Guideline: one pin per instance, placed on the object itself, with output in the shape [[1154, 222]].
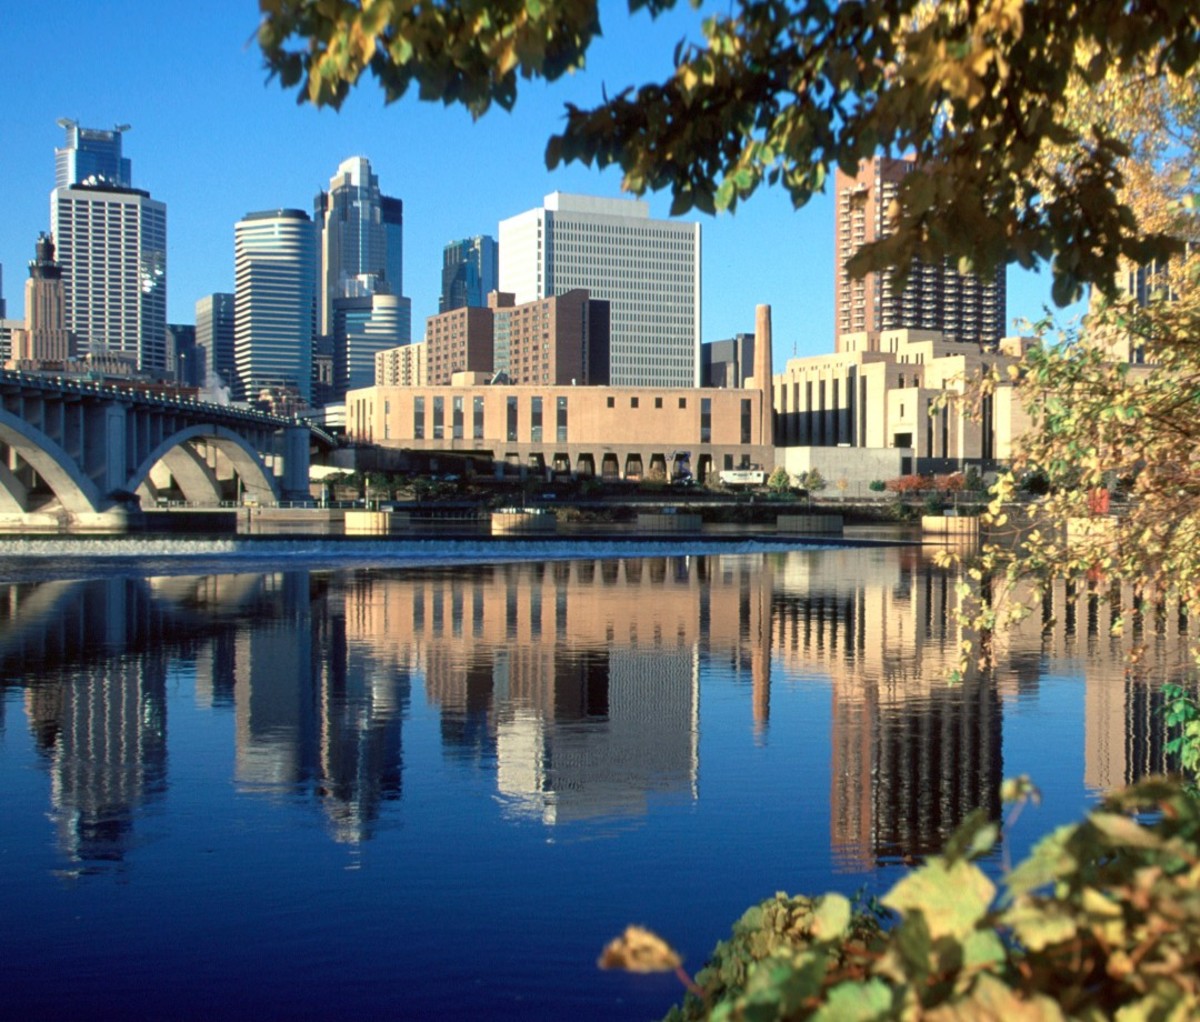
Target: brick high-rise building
[[561, 340], [937, 297], [459, 341]]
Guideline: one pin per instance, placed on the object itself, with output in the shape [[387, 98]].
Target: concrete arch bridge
[[76, 455]]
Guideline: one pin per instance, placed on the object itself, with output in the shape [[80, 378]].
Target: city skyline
[[213, 140]]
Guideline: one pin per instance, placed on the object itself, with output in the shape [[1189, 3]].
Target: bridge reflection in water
[[576, 685]]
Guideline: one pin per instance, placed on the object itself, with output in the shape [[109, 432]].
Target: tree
[[783, 93], [780, 481], [1105, 427], [812, 480]]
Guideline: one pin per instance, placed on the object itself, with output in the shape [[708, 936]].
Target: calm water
[[247, 788]]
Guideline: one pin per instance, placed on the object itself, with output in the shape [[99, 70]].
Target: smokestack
[[763, 372]]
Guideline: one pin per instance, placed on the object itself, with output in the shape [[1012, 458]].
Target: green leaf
[[975, 836], [991, 1000], [1038, 926], [856, 1002], [953, 896], [1122, 830], [832, 917]]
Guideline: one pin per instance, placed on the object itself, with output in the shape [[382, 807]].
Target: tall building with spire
[[45, 337], [963, 306], [470, 272], [111, 240], [361, 305], [361, 238], [275, 274]]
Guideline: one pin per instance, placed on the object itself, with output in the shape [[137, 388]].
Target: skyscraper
[[215, 338], [91, 155], [648, 271], [112, 245], [275, 270], [361, 238], [44, 337], [364, 327], [964, 306], [184, 359], [470, 272]]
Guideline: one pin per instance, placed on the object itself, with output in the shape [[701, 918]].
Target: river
[[312, 780]]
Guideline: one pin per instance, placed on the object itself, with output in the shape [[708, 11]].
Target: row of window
[[457, 423]]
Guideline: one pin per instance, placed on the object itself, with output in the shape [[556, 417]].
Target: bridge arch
[[74, 491], [194, 476]]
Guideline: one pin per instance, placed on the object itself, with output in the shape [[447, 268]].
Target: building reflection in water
[[911, 754], [100, 722], [575, 683]]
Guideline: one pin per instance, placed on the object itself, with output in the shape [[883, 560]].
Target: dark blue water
[[403, 790]]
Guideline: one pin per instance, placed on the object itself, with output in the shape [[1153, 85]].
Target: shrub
[[909, 484], [1102, 920], [877, 486], [953, 482]]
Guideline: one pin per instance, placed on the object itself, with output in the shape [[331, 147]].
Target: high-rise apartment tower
[[963, 306], [647, 270]]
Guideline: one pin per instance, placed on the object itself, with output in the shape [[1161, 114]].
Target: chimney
[[763, 372]]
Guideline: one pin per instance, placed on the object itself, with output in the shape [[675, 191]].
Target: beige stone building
[[885, 396], [860, 414], [614, 432]]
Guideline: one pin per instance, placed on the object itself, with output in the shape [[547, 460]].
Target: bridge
[[77, 455]]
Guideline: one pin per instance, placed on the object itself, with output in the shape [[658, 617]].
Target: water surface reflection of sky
[[559, 747]]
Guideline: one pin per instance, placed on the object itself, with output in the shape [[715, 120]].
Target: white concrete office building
[[648, 270], [112, 245], [275, 302], [111, 242]]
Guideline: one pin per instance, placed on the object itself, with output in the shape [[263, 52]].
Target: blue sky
[[213, 139]]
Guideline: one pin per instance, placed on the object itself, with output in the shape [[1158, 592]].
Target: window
[[458, 418], [706, 420], [658, 402], [746, 423], [512, 418], [561, 420], [612, 402], [419, 418], [439, 415], [535, 419], [683, 402], [478, 409], [633, 402]]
